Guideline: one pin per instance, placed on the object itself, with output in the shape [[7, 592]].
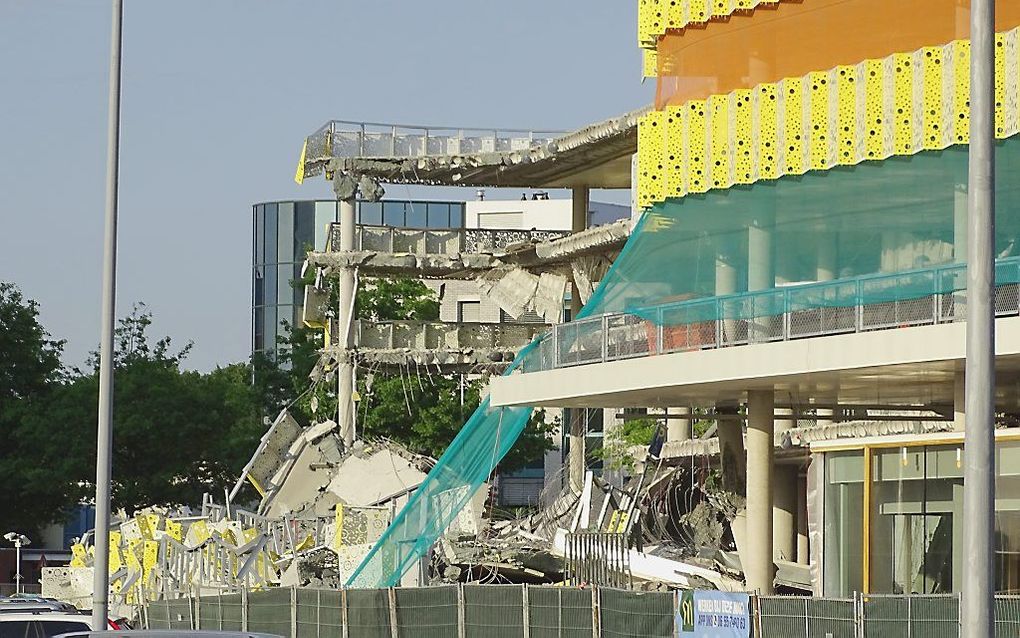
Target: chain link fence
[[518, 611]]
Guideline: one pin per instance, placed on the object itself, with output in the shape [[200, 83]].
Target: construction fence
[[521, 611]]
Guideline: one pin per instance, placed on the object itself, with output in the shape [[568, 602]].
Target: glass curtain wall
[[914, 500], [286, 231]]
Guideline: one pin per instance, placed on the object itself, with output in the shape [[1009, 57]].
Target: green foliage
[[177, 433], [425, 414], [31, 358], [616, 448], [396, 299]]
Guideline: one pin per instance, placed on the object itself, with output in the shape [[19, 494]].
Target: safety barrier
[[537, 611], [861, 304]]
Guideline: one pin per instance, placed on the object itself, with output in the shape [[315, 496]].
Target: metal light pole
[[19, 540], [977, 613], [104, 445]]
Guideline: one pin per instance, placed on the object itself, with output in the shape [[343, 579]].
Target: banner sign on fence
[[713, 614]]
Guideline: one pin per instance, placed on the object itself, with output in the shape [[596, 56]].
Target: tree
[[30, 370], [31, 358], [177, 433], [424, 412]]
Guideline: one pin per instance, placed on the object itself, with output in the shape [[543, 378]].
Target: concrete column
[[578, 222], [760, 262], [732, 460], [803, 545], [959, 402], [681, 429], [758, 566], [345, 315], [825, 260], [784, 513]]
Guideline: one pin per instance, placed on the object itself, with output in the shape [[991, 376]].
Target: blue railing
[[858, 304]]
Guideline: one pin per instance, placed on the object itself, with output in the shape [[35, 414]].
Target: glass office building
[[286, 230]]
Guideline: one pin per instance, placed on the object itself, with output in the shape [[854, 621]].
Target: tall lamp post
[[977, 609], [19, 540], [104, 439]]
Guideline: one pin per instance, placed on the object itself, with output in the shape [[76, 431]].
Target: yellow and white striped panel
[[900, 105], [655, 17]]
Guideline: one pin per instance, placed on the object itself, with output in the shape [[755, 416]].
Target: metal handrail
[[869, 298]]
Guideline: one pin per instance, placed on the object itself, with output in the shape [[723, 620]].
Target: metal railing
[[439, 241], [436, 335], [861, 304], [342, 138]]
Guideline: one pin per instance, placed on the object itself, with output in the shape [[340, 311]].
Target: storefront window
[[1007, 517], [917, 497], [844, 515], [917, 526]]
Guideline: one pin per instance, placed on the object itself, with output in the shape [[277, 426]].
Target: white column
[[678, 429], [578, 222], [959, 402], [760, 264], [825, 259], [803, 544], [784, 513], [758, 566], [345, 374]]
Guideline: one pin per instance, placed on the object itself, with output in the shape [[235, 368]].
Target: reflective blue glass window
[[304, 229], [439, 215], [370, 213], [393, 213], [271, 234], [416, 215], [456, 215]]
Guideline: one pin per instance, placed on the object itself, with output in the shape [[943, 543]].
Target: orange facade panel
[[794, 38]]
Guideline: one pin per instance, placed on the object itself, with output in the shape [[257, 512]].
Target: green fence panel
[[835, 618], [220, 612], [1007, 616], [782, 616], [428, 612], [179, 613], [934, 616], [627, 614], [319, 613], [368, 613], [270, 611], [157, 615], [493, 611], [559, 612]]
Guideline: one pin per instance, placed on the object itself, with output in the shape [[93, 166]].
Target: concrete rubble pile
[[316, 519]]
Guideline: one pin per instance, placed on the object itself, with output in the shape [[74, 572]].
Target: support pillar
[[757, 564], [578, 222], [761, 275], [803, 544], [732, 459], [760, 263], [679, 429], [345, 315], [959, 402], [784, 513]]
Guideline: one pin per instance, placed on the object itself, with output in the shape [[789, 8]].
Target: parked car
[[44, 623], [38, 617]]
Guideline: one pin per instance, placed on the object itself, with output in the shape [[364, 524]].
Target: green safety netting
[[858, 236]]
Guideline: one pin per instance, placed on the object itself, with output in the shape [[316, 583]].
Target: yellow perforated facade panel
[[898, 105], [767, 125], [742, 110], [694, 116], [792, 92]]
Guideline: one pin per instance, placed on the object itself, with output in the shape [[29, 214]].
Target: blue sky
[[217, 97]]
